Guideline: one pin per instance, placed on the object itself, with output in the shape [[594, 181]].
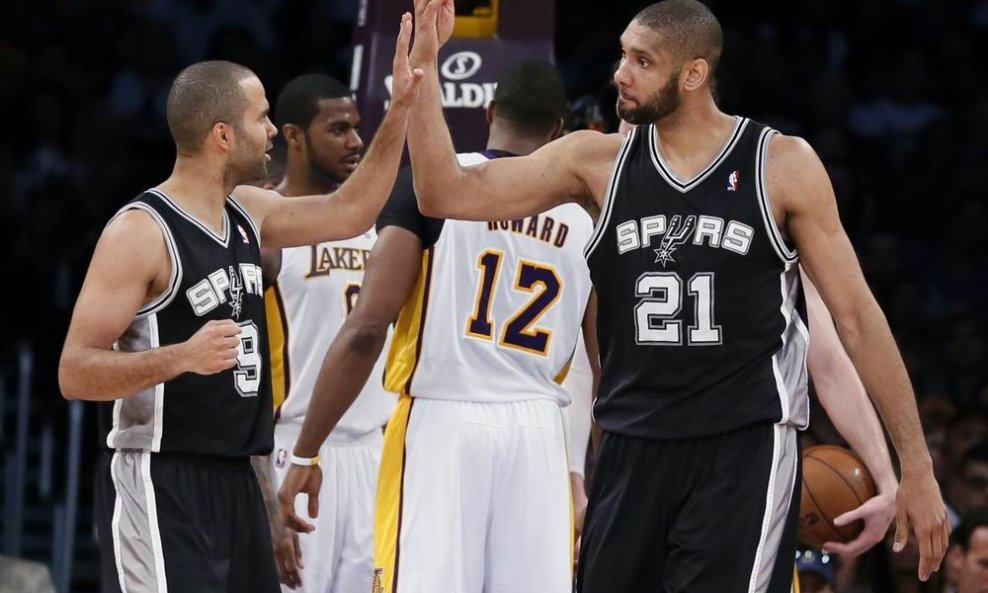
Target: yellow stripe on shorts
[[387, 514]]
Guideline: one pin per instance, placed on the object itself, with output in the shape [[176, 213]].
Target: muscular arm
[[573, 168], [129, 267], [798, 183], [842, 394], [352, 208], [392, 269]]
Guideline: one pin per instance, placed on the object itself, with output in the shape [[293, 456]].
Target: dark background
[[891, 93]]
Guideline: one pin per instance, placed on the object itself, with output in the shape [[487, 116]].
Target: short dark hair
[[298, 102], [531, 95], [202, 95], [971, 522], [690, 27]]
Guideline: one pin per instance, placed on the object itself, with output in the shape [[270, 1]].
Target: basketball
[[835, 481]]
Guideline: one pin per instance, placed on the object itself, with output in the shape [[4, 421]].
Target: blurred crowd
[[890, 93]]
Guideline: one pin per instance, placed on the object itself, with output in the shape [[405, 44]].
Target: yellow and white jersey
[[498, 306], [316, 289]]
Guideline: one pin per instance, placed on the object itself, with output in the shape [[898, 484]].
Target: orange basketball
[[835, 481]]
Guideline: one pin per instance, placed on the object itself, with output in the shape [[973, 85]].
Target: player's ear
[[489, 112], [293, 135], [222, 134], [694, 74]]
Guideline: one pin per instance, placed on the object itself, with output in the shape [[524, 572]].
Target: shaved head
[[688, 29], [203, 95]]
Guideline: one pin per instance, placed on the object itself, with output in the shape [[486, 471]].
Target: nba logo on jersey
[[732, 180], [279, 461], [243, 234]]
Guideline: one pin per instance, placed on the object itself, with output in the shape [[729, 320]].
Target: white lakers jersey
[[497, 310], [316, 289]]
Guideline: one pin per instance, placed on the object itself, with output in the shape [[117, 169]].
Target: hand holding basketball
[[877, 514], [835, 482]]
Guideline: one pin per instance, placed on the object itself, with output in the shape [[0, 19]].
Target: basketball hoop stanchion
[[488, 36]]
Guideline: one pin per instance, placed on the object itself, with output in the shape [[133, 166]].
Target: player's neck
[[511, 141], [299, 180], [199, 188], [696, 129]]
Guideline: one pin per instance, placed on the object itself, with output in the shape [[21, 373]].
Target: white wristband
[[303, 461]]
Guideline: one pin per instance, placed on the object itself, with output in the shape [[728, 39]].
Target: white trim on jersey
[[775, 235], [159, 391], [789, 361], [666, 171], [175, 278], [778, 498], [612, 185], [223, 240], [115, 427], [253, 226], [152, 513], [117, 511]]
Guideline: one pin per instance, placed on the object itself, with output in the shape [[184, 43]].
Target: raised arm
[[798, 184], [566, 170], [351, 209], [844, 398], [130, 267], [392, 269]]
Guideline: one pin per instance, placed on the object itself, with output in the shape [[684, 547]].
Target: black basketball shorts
[[182, 523], [711, 515]]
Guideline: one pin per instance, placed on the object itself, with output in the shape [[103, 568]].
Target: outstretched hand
[[877, 514], [919, 505], [300, 479], [404, 78], [434, 20]]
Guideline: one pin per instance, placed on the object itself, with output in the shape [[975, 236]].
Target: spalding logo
[[461, 65]]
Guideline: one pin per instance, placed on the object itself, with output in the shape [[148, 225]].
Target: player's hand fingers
[[901, 530], [295, 523], [925, 540], [227, 327], [298, 552], [404, 37]]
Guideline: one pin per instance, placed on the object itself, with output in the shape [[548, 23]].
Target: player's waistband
[[211, 461], [466, 396], [290, 430]]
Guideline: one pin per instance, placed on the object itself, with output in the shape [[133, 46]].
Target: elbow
[[67, 382], [428, 197], [366, 339]]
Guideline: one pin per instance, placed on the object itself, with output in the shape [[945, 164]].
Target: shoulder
[[255, 200], [589, 144], [793, 169], [133, 240]]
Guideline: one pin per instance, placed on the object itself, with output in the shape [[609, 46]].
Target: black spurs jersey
[[701, 315], [213, 276]]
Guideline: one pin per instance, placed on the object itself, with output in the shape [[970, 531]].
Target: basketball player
[[473, 492], [703, 218], [969, 553], [170, 326], [313, 289]]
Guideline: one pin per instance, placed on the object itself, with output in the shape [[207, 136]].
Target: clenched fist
[[213, 348]]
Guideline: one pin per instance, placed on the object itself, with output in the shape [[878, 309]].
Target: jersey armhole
[[612, 185], [788, 255], [250, 220], [175, 278]]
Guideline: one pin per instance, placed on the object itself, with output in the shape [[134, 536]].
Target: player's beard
[[660, 105], [318, 174], [249, 163]]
